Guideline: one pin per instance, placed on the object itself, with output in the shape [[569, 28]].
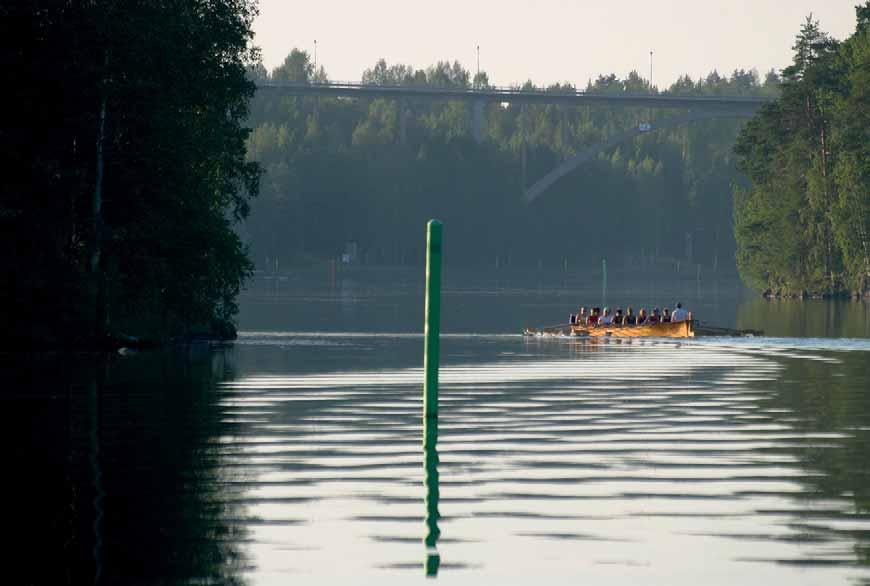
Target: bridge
[[514, 95], [699, 108]]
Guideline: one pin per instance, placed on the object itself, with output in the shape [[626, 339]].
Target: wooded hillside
[[802, 226]]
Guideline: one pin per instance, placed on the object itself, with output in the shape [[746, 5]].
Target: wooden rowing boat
[[678, 329], [687, 329]]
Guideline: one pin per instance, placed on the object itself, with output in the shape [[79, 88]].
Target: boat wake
[[737, 343]]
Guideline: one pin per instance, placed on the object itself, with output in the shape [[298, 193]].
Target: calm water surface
[[390, 300], [297, 457]]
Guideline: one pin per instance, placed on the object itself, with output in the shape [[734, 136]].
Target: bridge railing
[[503, 91]]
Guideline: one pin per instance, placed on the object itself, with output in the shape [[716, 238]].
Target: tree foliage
[[372, 171], [126, 165], [802, 226]]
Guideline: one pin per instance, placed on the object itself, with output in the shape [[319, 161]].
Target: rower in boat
[[679, 314], [618, 318], [641, 316], [592, 320]]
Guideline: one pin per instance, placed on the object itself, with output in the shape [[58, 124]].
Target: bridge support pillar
[[523, 163], [523, 146], [477, 119], [564, 134], [404, 114]]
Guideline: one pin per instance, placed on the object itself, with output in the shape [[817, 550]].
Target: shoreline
[[116, 344], [814, 296]]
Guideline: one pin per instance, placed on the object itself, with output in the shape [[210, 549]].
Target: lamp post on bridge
[[477, 115], [650, 72], [477, 77], [315, 60]]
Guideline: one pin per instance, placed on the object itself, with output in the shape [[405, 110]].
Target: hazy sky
[[547, 40]]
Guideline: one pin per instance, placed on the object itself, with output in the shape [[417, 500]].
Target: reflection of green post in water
[[430, 463], [433, 319], [430, 392]]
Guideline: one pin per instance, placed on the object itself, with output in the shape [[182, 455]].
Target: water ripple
[[648, 454]]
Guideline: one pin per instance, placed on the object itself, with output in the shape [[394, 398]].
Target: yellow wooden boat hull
[[678, 329]]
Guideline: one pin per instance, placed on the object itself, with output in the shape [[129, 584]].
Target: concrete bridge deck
[[516, 95]]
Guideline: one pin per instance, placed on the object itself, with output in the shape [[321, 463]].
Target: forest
[[125, 169], [365, 174], [802, 223]]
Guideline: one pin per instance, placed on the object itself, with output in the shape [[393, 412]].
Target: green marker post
[[603, 281], [431, 352], [432, 331]]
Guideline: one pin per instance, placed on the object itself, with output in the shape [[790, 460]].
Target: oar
[[549, 329], [720, 331]]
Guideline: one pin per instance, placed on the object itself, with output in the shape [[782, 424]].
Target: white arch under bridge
[[536, 190]]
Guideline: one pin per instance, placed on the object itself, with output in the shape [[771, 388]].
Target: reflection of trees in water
[[821, 403], [841, 319], [140, 430]]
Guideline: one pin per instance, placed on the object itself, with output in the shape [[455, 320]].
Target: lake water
[[296, 454], [506, 301]]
